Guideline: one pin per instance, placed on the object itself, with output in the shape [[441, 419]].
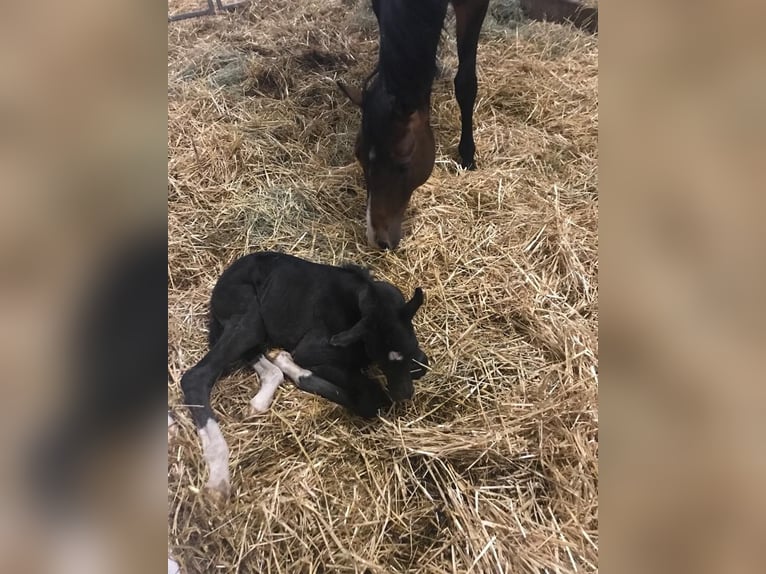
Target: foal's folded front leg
[[270, 377], [307, 381]]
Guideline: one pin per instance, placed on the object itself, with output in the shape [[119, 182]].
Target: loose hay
[[493, 467]]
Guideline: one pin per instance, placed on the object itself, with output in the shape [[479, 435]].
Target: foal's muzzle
[[401, 390], [419, 366]]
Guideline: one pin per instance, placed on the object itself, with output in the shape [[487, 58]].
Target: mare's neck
[[409, 37]]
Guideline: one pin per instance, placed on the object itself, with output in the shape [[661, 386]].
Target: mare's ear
[[411, 307], [358, 331], [353, 94]]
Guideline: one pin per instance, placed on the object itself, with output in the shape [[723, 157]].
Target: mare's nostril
[[383, 244]]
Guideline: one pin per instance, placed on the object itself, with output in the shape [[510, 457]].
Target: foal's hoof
[[218, 493], [254, 411], [259, 405]]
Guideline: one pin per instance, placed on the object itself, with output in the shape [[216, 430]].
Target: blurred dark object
[[561, 11], [119, 360]]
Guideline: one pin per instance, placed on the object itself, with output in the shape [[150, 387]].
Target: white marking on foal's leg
[[217, 457], [271, 377], [285, 362]]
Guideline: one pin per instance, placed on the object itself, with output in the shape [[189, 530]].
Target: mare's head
[[395, 147]]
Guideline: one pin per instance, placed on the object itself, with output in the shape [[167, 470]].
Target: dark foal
[[332, 324], [395, 145]]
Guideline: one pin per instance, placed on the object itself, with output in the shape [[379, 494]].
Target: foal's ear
[[351, 336], [358, 331], [411, 307], [353, 94]]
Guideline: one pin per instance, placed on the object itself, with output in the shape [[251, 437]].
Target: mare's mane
[[409, 36]]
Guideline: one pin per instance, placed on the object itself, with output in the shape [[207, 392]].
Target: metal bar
[[230, 7], [211, 10]]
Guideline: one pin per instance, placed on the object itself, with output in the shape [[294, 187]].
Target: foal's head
[[395, 147], [386, 331]]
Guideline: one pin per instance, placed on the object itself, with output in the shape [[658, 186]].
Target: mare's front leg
[[469, 16]]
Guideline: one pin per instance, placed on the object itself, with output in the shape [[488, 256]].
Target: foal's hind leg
[[469, 16], [240, 335]]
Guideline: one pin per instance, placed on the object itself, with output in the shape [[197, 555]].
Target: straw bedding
[[493, 466]]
